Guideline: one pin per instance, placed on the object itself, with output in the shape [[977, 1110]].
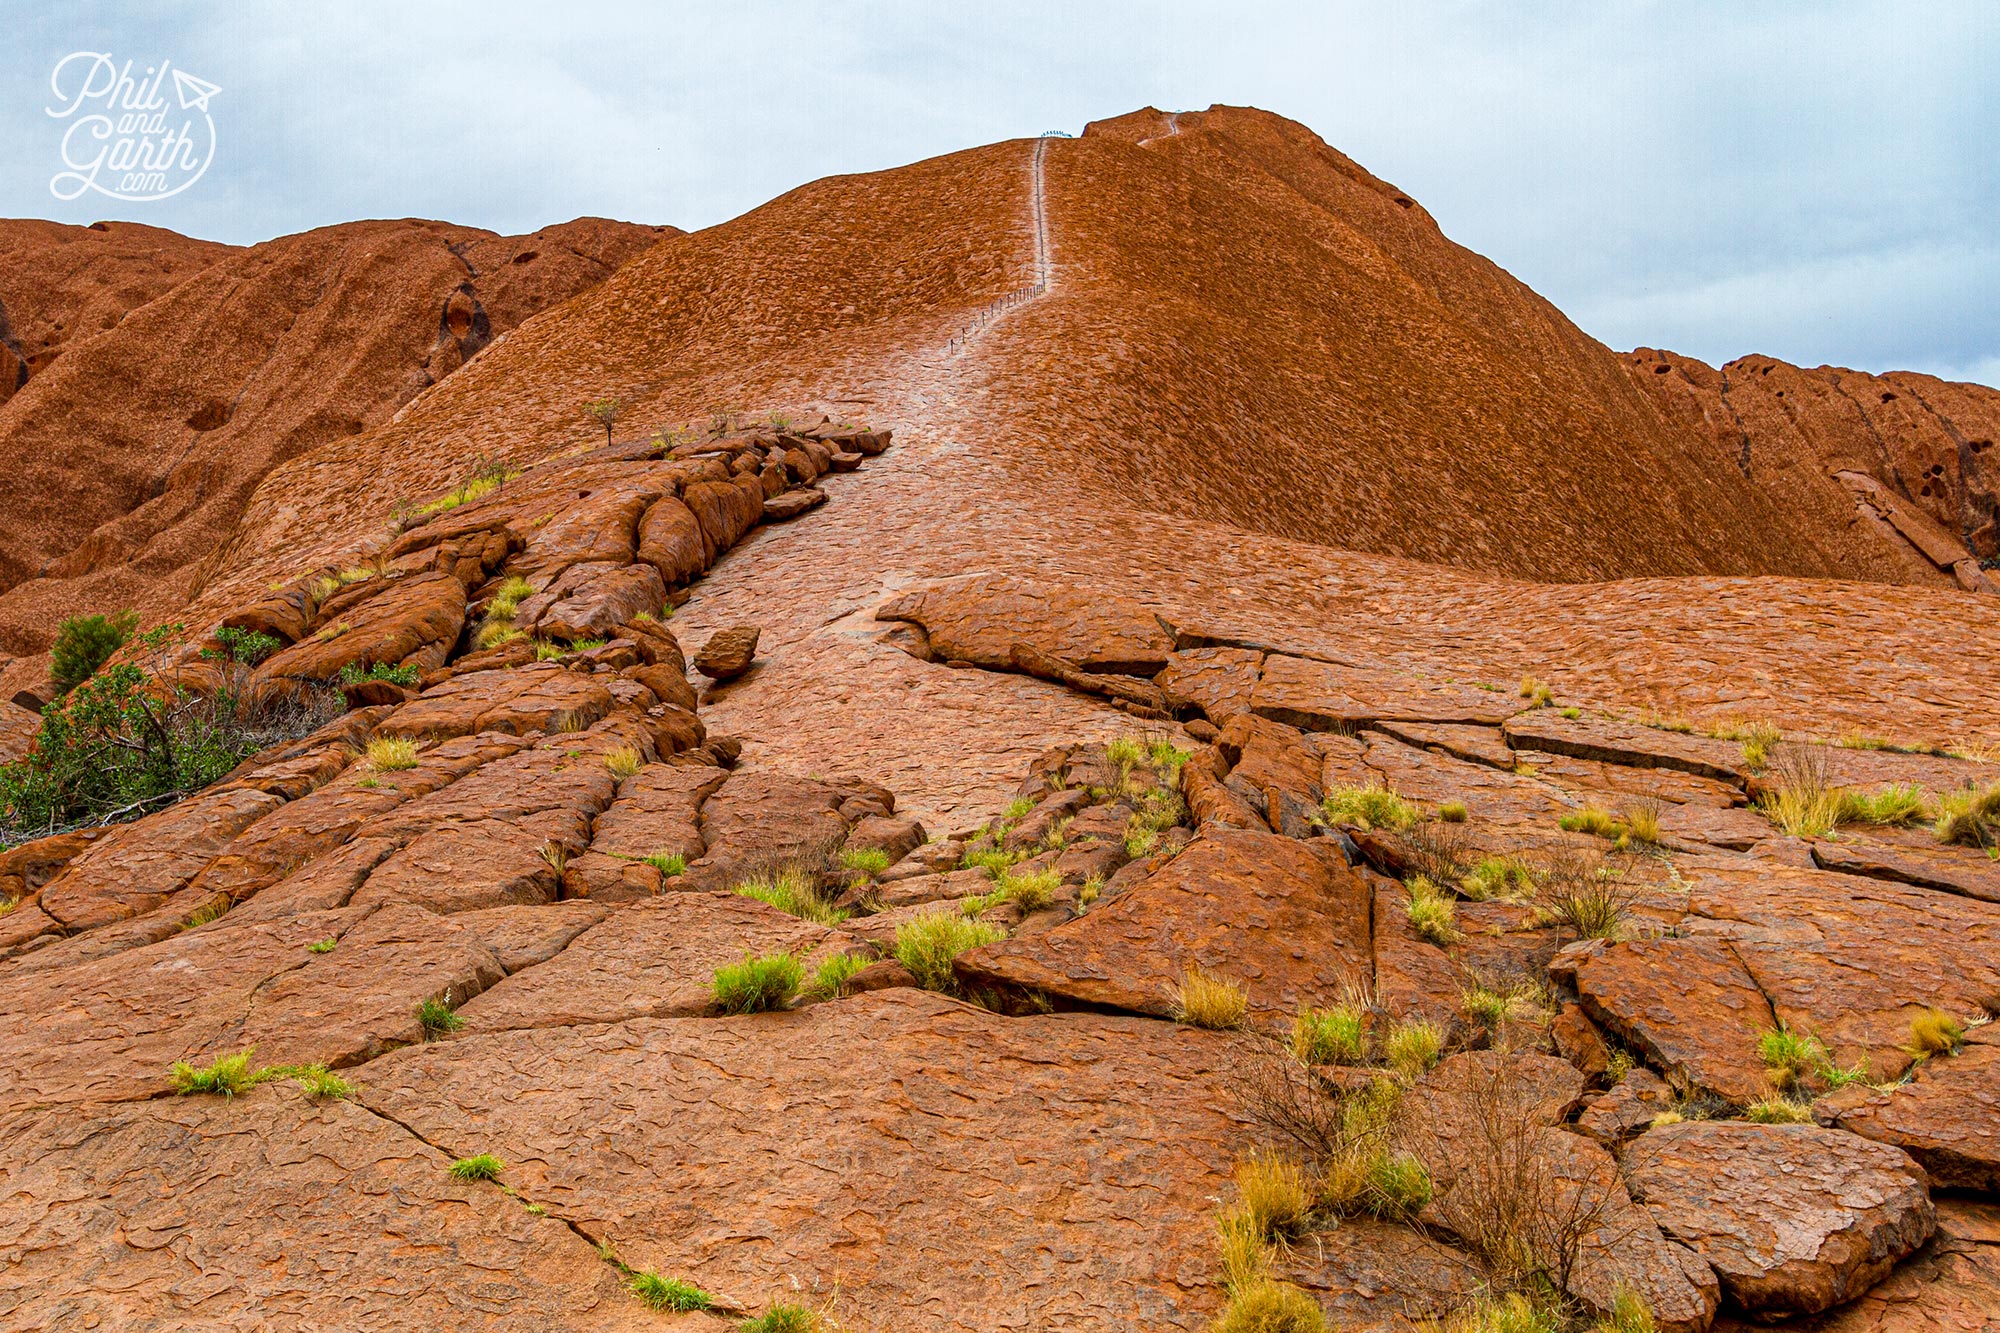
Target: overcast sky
[[1819, 182]]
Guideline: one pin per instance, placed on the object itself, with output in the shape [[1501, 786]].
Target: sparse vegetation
[[1206, 1000], [484, 1166], [667, 1293], [1432, 913], [1453, 812], [794, 889], [212, 910], [247, 647], [1580, 895], [1499, 877], [784, 1318], [1970, 818], [669, 864], [757, 983], [1756, 739], [1263, 1305], [623, 761], [1087, 895], [224, 1076], [1030, 890], [321, 1083], [928, 943], [1332, 1036], [1935, 1032], [1778, 1111], [1790, 1058], [869, 861], [391, 754], [1899, 805], [1642, 820], [830, 978], [482, 478], [990, 859], [1413, 1046], [436, 1018], [354, 673], [1274, 1194], [1365, 808], [1594, 820], [326, 945], [1536, 693]]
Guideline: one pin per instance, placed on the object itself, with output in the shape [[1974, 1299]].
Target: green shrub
[[1413, 1047], [829, 979], [1399, 1185], [485, 1166], [1432, 914], [793, 890], [319, 1082], [354, 673], [757, 983], [783, 1318], [1898, 805], [1594, 820], [1030, 890], [1453, 812], [1971, 818], [247, 646], [869, 861], [85, 643], [928, 942], [1791, 1057], [1263, 1305], [991, 859], [225, 1076], [326, 945], [668, 1293], [669, 864], [1778, 1111], [1206, 1000], [1499, 877]]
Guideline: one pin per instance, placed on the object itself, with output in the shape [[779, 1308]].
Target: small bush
[[1897, 806], [1335, 1036], [225, 1076], [1265, 1306], [1087, 895], [990, 859], [1432, 914], [1125, 754], [326, 945], [485, 1166], [1935, 1032], [246, 646], [623, 761], [1488, 1007], [1399, 1185], [669, 864], [507, 599], [555, 856], [1594, 820], [1581, 896], [869, 861], [391, 754], [436, 1018], [1140, 840], [1642, 821], [928, 942], [321, 1083], [1242, 1243], [829, 979], [85, 643], [1369, 807], [354, 673], [1757, 740], [668, 1293], [1031, 890], [793, 890], [1453, 812], [757, 983], [1205, 1000], [1413, 1047]]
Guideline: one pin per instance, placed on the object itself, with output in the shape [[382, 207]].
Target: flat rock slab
[[1947, 1116], [1479, 745], [522, 701], [1689, 1004], [1329, 696], [979, 620], [655, 958], [1911, 857], [267, 1210], [1629, 744], [1284, 919], [1794, 1219], [1219, 681], [965, 1171]]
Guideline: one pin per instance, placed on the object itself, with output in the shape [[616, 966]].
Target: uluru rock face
[[938, 970], [188, 371]]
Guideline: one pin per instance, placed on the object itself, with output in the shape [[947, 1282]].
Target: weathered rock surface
[[1947, 1116], [1287, 923], [1794, 1219], [1070, 1155]]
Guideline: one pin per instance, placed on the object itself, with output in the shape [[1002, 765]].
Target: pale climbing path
[[1044, 267]]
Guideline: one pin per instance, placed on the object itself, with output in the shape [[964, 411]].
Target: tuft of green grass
[[793, 890], [1274, 1194], [1642, 821], [1935, 1032], [1594, 820], [1265, 1305], [1370, 807], [1758, 740], [484, 1166], [1333, 1036], [624, 762], [1413, 1047], [829, 979], [1453, 812], [437, 1018], [1499, 877], [1778, 1111], [321, 1083], [212, 910], [757, 983], [928, 943], [327, 945], [1205, 1000], [783, 1318], [1629, 1313], [1432, 913], [669, 864], [224, 1076], [1572, 713], [1791, 1057], [869, 861], [1509, 1313], [1399, 1185], [1125, 753], [1030, 890], [992, 860], [667, 1293], [1536, 693], [1488, 1007], [1898, 805], [1087, 895]]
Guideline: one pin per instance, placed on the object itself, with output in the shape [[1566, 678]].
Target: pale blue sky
[[1815, 181]]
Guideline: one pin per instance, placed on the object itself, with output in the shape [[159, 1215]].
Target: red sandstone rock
[[728, 653]]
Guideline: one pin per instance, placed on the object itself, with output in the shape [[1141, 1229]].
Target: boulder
[[728, 653], [1794, 1219]]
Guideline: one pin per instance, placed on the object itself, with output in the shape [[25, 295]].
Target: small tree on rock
[[605, 412], [85, 643]]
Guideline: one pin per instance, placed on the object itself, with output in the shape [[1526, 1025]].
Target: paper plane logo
[[125, 138]]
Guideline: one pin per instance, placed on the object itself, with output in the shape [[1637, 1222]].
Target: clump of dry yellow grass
[[1206, 1000]]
